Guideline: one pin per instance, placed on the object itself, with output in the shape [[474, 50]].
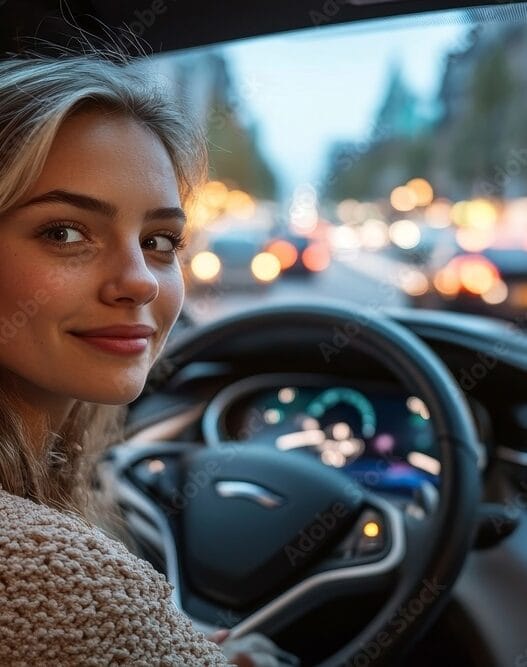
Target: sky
[[308, 88]]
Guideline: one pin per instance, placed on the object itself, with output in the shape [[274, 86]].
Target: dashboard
[[250, 390], [376, 433]]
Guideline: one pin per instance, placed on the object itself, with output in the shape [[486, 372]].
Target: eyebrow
[[94, 205]]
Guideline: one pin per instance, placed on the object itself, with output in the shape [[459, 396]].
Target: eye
[[168, 242], [63, 234]]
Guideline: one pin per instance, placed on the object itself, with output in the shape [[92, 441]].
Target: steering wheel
[[274, 534]]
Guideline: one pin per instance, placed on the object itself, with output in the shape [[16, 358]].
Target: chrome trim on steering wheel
[[250, 491], [134, 498], [386, 564]]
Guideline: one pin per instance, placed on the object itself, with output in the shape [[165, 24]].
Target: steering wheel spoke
[[358, 565]]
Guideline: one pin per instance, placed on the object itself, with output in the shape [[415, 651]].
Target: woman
[[97, 167]]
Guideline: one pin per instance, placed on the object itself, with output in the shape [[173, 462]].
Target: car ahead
[[299, 255], [491, 282], [349, 481], [232, 261]]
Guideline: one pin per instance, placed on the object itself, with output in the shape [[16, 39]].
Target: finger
[[219, 636], [242, 660]]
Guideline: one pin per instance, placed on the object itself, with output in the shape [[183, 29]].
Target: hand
[[239, 659], [253, 650]]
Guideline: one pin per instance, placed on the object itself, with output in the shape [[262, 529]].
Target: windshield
[[382, 163]]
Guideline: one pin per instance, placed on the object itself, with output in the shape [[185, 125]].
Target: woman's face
[[96, 253]]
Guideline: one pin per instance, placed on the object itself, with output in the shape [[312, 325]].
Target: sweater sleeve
[[70, 595]]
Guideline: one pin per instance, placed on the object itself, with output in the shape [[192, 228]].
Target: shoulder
[[67, 590], [30, 530], [60, 542]]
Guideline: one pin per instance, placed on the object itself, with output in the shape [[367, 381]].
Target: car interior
[[337, 457]]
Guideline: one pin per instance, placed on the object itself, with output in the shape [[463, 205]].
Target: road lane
[[361, 282]]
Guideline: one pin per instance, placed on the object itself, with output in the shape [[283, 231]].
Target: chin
[[113, 395]]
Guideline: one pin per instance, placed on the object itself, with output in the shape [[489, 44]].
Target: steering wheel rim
[[383, 640]]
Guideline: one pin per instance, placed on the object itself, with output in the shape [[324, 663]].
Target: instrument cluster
[[378, 434]]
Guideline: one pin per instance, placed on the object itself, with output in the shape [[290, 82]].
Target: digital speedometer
[[330, 405], [379, 434], [336, 423]]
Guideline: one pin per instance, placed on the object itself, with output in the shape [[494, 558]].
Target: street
[[356, 279]]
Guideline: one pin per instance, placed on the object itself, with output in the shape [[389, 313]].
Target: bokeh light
[[475, 240], [284, 251], [422, 189], [414, 282], [316, 257], [205, 266], [477, 274], [477, 214], [497, 294], [374, 234], [403, 198], [214, 194], [346, 210], [446, 281], [437, 214], [240, 205], [344, 238], [265, 267], [405, 234]]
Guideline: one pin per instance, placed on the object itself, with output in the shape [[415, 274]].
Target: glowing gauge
[[328, 399]]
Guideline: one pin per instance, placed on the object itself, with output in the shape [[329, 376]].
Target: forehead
[[112, 156]]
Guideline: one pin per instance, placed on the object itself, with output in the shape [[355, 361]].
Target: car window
[[383, 163]]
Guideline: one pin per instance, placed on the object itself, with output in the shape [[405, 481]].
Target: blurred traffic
[[419, 199]]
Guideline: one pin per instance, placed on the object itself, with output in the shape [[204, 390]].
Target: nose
[[129, 278]]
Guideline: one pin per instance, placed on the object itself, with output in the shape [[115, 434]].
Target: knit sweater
[[71, 595]]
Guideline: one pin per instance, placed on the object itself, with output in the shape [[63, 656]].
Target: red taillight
[[285, 252], [316, 257], [470, 273]]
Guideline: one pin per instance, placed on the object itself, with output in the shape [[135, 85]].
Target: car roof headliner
[[180, 25]]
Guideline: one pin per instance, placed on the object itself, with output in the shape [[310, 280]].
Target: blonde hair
[[37, 94]]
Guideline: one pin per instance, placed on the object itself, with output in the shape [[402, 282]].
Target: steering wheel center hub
[[256, 518]]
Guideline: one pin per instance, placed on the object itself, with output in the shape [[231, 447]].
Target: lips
[[120, 339], [118, 331]]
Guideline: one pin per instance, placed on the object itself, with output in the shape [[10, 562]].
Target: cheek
[[171, 296], [23, 283], [34, 290]]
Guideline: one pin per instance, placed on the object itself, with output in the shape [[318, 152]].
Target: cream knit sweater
[[70, 595]]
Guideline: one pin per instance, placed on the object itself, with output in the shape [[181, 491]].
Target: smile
[[116, 345]]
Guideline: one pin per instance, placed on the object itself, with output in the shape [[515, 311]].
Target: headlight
[[265, 267], [205, 266]]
